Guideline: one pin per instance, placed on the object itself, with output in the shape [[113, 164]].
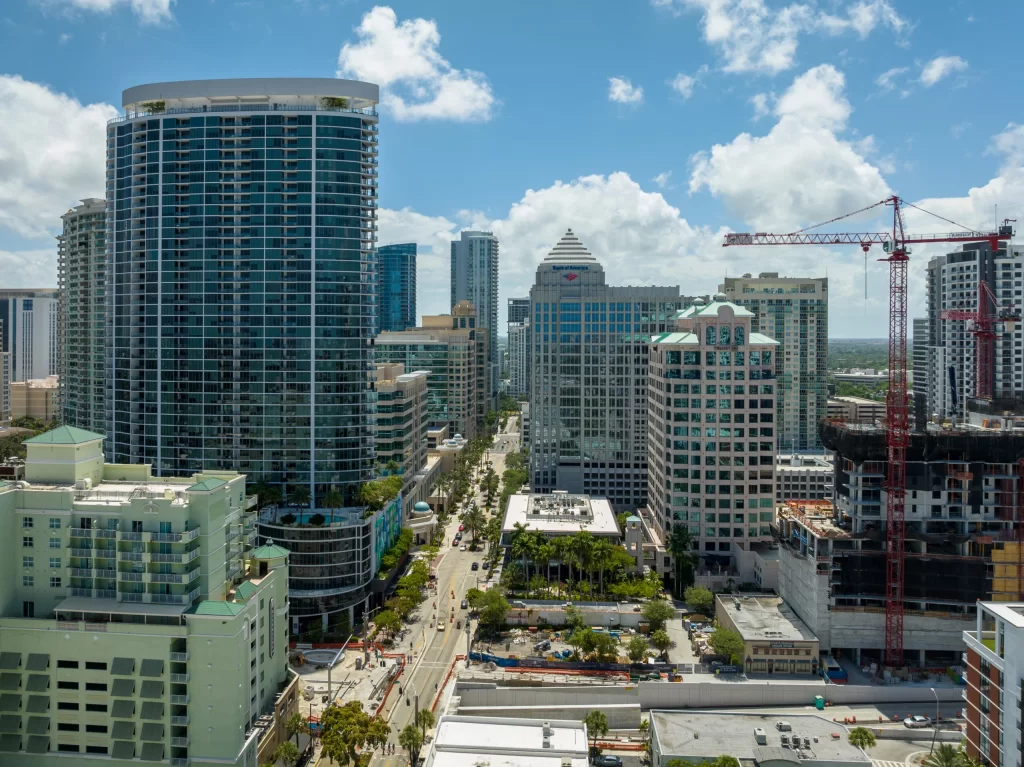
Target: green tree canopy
[[377, 493], [727, 643], [343, 730], [657, 613], [411, 739], [662, 641], [637, 649], [296, 725], [699, 599], [493, 609], [861, 737], [287, 753], [597, 726], [426, 720], [944, 755]]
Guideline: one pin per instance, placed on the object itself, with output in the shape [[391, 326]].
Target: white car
[[462, 547], [915, 722]]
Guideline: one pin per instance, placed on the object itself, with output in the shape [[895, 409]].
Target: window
[[28, 609], [66, 685], [96, 707], [68, 727], [67, 664], [55, 562], [28, 542], [95, 687], [67, 746], [54, 543], [54, 582], [91, 665], [95, 728], [28, 522], [27, 580], [65, 706], [28, 561], [54, 523]]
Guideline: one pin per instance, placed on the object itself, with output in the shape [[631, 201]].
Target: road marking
[[886, 763]]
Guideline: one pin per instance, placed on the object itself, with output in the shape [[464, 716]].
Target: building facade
[[995, 684], [29, 327], [519, 359], [518, 310], [803, 477], [449, 348], [588, 370], [474, 266], [396, 286], [919, 378], [401, 421], [711, 429], [794, 312], [856, 410], [5, 387], [239, 333], [35, 398], [81, 317], [136, 620]]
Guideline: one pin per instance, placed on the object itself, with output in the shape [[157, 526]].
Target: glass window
[[755, 358], [54, 543], [766, 358], [738, 337], [27, 541], [740, 357], [54, 523], [709, 336], [55, 562], [723, 335], [27, 580], [691, 358], [28, 522], [724, 359], [54, 582], [28, 561]]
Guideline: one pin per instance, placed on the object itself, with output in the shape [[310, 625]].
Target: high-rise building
[[136, 622], [401, 421], [518, 310], [952, 283], [450, 348], [35, 398], [81, 320], [5, 387], [919, 378], [240, 300], [396, 286], [474, 267], [794, 312], [711, 429], [588, 368], [28, 321], [995, 685], [519, 358]]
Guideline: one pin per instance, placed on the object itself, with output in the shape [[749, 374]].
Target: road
[[433, 650]]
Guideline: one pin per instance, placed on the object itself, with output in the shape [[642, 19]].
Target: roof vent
[[547, 741], [547, 728]]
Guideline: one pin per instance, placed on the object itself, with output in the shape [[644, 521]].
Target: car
[[915, 722], [465, 604], [461, 528], [607, 760], [487, 565], [475, 566], [441, 625], [462, 547]]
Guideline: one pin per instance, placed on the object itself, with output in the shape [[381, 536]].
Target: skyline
[[813, 114]]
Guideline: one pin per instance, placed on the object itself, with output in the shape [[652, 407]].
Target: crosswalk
[[885, 763]]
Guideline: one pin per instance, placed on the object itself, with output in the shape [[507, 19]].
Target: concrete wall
[[620, 716], [867, 630], [555, 615], [807, 594]]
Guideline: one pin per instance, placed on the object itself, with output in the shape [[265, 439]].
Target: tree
[[473, 519], [287, 754], [699, 599], [727, 643], [411, 740], [724, 761], [602, 555], [606, 649], [597, 727], [662, 642], [637, 649], [377, 493], [426, 720], [333, 500], [378, 733], [944, 756], [388, 622], [474, 597], [657, 613], [680, 546], [860, 737], [299, 496], [574, 618], [522, 546], [343, 730], [296, 725], [677, 763], [493, 609]]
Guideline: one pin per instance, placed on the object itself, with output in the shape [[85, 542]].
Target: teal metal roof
[[270, 551], [221, 609], [244, 591], [421, 506], [210, 483], [761, 338], [711, 310], [64, 435], [675, 338]]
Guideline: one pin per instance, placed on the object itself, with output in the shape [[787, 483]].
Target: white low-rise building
[[471, 741], [803, 477], [559, 513]]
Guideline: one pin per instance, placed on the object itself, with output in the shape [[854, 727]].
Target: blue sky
[[650, 128]]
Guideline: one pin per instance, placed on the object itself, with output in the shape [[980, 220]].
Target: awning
[[152, 668], [123, 709], [10, 702], [38, 683], [10, 681], [10, 660], [38, 725], [151, 689], [123, 750], [38, 744], [123, 666], [151, 731], [10, 723], [37, 662], [152, 752], [38, 704], [10, 743], [123, 688], [123, 731], [152, 711]]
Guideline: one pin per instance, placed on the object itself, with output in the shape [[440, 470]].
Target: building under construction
[[963, 509]]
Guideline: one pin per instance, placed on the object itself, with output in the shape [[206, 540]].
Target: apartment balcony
[[81, 532], [179, 679], [174, 599], [133, 556], [231, 516], [188, 577], [179, 657], [183, 559], [179, 700], [233, 572], [180, 761], [93, 593], [179, 721], [185, 537], [251, 501], [81, 572], [181, 742]]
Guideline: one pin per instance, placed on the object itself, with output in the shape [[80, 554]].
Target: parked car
[[441, 625], [461, 528], [462, 547], [475, 566], [607, 760], [465, 604], [487, 565], [915, 722]]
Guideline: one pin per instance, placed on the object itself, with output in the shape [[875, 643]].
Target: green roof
[[270, 551], [210, 483], [222, 609], [64, 435], [245, 590]]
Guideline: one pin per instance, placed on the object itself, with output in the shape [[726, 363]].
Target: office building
[[401, 444], [136, 621], [451, 349], [794, 312], [396, 286], [5, 387], [519, 359], [952, 282], [518, 310], [35, 398], [775, 640], [264, 365], [474, 267], [460, 741], [803, 477], [920, 348], [588, 370], [711, 429], [28, 321], [995, 684], [856, 410], [81, 317], [558, 514]]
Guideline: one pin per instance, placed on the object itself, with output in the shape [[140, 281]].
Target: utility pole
[[469, 641]]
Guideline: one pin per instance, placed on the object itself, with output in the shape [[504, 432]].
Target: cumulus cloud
[[802, 171], [662, 178], [684, 84], [754, 36], [29, 268], [887, 80], [148, 11], [941, 67], [418, 82], [622, 91], [52, 153]]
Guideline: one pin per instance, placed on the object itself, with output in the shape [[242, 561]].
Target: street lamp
[[935, 724], [416, 699]]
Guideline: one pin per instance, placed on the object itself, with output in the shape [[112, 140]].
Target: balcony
[[179, 700], [184, 558], [180, 761], [188, 577], [133, 556], [179, 721], [179, 657], [173, 599], [179, 679], [231, 516], [251, 501], [185, 537], [131, 536], [180, 742], [81, 532]]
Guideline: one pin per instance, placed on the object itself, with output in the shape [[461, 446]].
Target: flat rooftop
[[816, 516], [470, 741], [560, 514], [707, 734], [764, 618]]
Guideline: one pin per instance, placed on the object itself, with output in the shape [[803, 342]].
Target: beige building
[[856, 410], [452, 350], [401, 420], [5, 387], [36, 398], [775, 640]]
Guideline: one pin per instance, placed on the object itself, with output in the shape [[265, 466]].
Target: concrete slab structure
[[775, 640], [559, 513], [468, 741]]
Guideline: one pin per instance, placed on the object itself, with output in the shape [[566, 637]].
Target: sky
[[649, 127]]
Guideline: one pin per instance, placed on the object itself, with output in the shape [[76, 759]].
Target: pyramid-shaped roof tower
[[569, 250]]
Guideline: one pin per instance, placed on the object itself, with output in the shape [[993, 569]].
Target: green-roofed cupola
[[208, 484], [64, 455], [63, 435]]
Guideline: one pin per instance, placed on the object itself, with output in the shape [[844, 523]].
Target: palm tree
[[569, 557], [299, 496], [521, 544], [546, 552], [680, 546], [474, 520], [426, 719], [333, 500], [602, 554], [861, 737], [411, 740], [944, 756], [296, 725]]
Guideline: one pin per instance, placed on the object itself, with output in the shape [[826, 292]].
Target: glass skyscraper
[[474, 272], [396, 286], [241, 228]]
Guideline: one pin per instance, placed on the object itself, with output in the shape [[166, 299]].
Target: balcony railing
[[81, 532], [184, 558], [174, 599], [179, 657], [185, 537], [179, 721], [180, 742], [188, 577], [179, 679], [179, 700]]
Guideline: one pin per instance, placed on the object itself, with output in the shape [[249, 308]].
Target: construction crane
[[895, 244], [984, 330]]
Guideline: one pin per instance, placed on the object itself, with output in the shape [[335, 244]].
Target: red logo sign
[[571, 276]]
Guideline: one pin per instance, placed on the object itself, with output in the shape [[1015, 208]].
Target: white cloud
[[887, 80], [801, 172], [762, 105], [622, 91], [684, 84], [52, 152], [29, 268], [940, 67], [753, 37], [63, 39], [418, 82], [662, 178], [148, 11]]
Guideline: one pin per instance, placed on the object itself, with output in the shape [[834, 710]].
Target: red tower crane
[[897, 420]]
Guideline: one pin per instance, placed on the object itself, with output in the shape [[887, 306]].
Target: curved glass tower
[[241, 226]]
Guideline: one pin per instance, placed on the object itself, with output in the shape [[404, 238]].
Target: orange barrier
[[448, 676]]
